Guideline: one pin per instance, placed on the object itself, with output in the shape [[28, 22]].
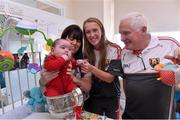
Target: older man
[[146, 97]]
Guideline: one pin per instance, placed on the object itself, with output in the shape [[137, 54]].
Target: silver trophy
[[62, 106]]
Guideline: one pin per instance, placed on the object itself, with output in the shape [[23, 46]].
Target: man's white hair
[[136, 19]]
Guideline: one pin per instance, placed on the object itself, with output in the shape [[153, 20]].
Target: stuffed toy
[[169, 73], [36, 99]]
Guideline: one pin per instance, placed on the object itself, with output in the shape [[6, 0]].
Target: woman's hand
[[86, 67], [84, 83], [74, 78], [46, 76], [70, 72]]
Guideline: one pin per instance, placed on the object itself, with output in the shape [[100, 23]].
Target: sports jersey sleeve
[[114, 53], [115, 68]]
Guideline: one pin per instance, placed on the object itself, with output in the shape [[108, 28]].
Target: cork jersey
[[146, 97], [100, 88], [150, 56]]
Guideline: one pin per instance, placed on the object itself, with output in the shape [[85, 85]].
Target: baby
[[60, 59]]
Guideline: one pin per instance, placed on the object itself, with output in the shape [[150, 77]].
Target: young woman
[[105, 92]]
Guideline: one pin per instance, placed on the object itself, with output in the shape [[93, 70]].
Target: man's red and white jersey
[[152, 55]]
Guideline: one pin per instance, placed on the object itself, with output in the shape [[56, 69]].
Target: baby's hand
[[69, 70], [66, 57], [80, 62]]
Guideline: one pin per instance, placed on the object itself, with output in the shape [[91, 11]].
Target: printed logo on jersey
[[154, 61], [126, 65]]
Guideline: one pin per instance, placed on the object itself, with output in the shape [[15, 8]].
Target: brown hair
[[56, 41], [89, 48]]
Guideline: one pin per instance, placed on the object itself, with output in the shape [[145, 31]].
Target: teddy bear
[[36, 99]]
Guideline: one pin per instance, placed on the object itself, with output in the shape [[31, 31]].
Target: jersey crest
[[154, 61]]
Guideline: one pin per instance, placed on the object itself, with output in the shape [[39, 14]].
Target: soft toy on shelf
[[36, 99]]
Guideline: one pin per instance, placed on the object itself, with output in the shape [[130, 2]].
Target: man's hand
[[175, 57]]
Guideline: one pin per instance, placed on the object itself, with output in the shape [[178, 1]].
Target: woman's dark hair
[[74, 32]]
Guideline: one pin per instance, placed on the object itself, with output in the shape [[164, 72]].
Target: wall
[[79, 10], [68, 6], [84, 9], [163, 15]]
